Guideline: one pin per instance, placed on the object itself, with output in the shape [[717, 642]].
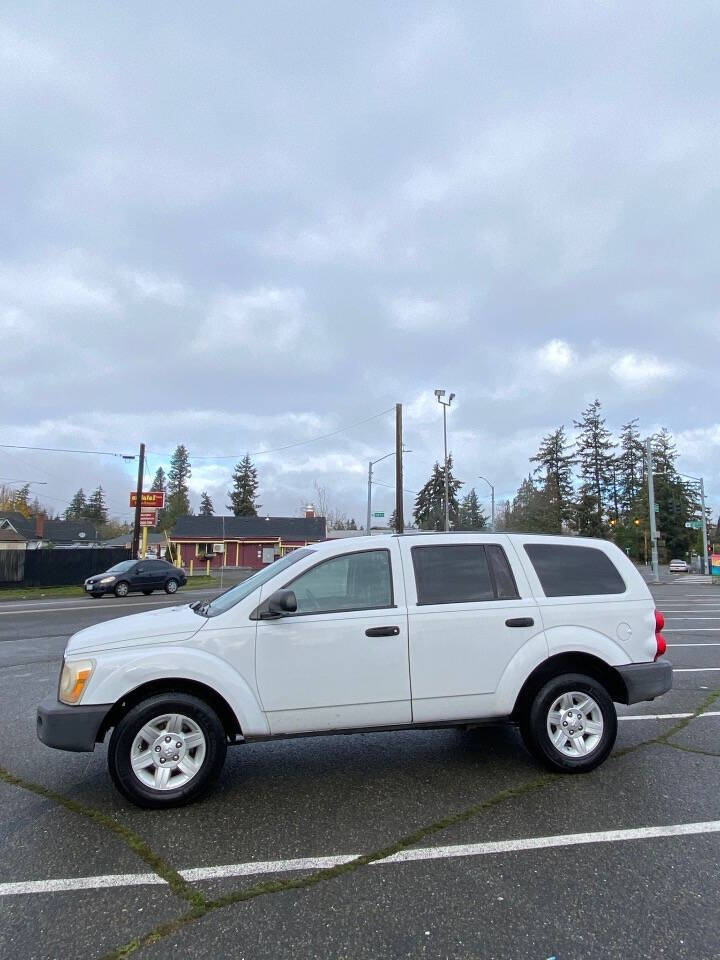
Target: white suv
[[392, 632]]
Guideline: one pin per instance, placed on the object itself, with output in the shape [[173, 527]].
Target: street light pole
[[492, 502], [651, 501], [371, 464], [445, 404]]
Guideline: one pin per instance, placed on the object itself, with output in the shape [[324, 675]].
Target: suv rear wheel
[[167, 750], [570, 725]]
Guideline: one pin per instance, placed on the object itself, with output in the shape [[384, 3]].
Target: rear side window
[[505, 586], [452, 574], [569, 571]]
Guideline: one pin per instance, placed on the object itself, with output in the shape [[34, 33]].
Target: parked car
[[133, 576], [679, 566], [390, 633]]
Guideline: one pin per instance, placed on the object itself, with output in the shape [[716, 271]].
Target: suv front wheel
[[570, 725], [167, 750]]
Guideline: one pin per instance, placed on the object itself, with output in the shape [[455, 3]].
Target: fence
[[56, 568]]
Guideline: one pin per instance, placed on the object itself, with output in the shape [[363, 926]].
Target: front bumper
[[70, 728], [645, 681]]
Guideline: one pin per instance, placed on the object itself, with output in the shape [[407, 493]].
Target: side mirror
[[280, 604]]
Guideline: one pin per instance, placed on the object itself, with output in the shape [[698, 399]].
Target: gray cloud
[[248, 226]]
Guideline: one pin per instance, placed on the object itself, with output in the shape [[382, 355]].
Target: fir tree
[[595, 456], [243, 496], [206, 505], [429, 512], [555, 466], [21, 500], [159, 485], [529, 511], [76, 507], [96, 509], [470, 514], [177, 501], [630, 472]]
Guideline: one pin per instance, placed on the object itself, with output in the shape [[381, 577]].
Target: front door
[[341, 661]]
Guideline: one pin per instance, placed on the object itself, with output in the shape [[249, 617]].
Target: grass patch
[[35, 593]]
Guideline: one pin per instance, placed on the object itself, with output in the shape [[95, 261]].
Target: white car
[[387, 633], [678, 566]]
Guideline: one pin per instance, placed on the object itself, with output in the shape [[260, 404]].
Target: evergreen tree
[[243, 496], [177, 501], [555, 467], [76, 507], [429, 512], [470, 514], [664, 452], [529, 511], [96, 509], [352, 525], [595, 456], [158, 485], [21, 500], [206, 505], [630, 471]]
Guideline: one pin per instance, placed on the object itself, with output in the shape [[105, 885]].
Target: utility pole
[[399, 517], [704, 528], [651, 501], [138, 503]]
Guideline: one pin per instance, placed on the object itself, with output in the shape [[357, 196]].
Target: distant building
[[242, 541], [39, 531]]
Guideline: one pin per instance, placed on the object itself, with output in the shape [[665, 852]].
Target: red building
[[242, 541]]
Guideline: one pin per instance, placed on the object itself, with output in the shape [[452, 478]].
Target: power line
[[287, 446], [99, 453]]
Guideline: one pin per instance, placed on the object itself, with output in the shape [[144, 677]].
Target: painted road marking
[[710, 643], [667, 716], [405, 856], [695, 669], [692, 630], [95, 606]]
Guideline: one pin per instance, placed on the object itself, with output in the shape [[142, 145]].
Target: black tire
[[171, 585], [535, 719], [121, 589], [147, 592], [125, 732]]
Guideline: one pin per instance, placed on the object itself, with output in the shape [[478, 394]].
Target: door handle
[[520, 622], [382, 632]]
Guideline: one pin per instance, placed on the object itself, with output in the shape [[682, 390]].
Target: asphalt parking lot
[[422, 844]]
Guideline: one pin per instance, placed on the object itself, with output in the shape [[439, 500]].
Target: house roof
[[287, 528], [125, 539], [55, 531], [8, 535]]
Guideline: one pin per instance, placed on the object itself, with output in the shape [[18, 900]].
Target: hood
[[169, 623]]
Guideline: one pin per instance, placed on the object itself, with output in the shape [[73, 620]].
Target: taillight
[[659, 638]]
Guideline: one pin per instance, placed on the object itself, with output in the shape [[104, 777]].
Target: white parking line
[[406, 856], [692, 630], [710, 643], [667, 716], [695, 669], [672, 619]]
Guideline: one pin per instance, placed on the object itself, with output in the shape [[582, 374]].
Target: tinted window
[[505, 586], [122, 567], [568, 571], [452, 574], [354, 581]]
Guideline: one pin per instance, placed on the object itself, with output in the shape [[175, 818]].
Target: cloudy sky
[[244, 225]]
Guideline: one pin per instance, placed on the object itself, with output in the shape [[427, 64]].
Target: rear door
[[470, 610]]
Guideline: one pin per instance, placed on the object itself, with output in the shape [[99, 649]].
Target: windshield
[[236, 594], [121, 567]]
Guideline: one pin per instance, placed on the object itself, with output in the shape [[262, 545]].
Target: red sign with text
[[153, 498]]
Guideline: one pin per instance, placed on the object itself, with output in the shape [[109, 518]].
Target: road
[[499, 859]]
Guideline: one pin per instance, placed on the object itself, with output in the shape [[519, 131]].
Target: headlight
[[73, 679], [107, 579]]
